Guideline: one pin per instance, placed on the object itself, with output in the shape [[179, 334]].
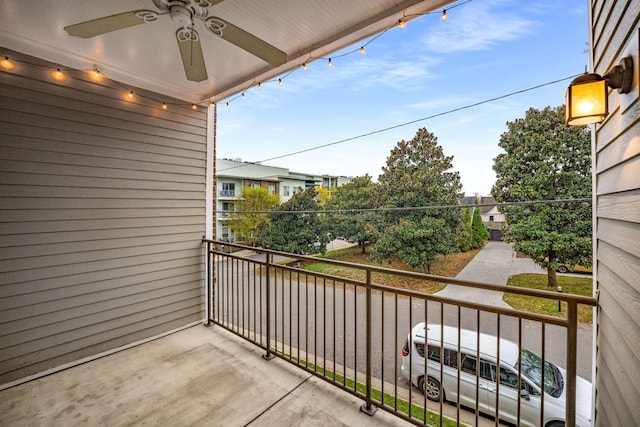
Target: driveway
[[494, 264]]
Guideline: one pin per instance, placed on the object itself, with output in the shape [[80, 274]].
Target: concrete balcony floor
[[197, 376]]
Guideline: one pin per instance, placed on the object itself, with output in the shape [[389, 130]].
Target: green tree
[[479, 232], [353, 224], [418, 174], [466, 238], [546, 160], [295, 227], [251, 216]]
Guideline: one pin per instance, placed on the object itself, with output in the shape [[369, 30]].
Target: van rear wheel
[[431, 388]]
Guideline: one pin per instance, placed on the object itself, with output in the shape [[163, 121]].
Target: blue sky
[[485, 49]]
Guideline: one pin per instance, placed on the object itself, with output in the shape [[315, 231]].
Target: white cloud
[[478, 28]]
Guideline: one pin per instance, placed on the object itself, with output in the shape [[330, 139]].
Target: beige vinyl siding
[[102, 213], [615, 25]]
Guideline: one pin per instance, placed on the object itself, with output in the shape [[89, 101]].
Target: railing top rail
[[579, 299]]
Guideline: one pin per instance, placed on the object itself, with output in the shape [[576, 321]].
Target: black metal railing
[[351, 332]]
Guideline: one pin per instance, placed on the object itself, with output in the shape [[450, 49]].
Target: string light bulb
[[259, 86], [212, 104], [164, 105], [130, 95], [363, 50], [7, 64], [304, 66], [58, 75], [444, 15], [244, 96], [194, 107], [402, 23], [279, 82], [228, 105], [330, 64]]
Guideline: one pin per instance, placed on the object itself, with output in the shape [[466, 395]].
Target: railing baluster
[[368, 408], [209, 286], [268, 355], [572, 355]]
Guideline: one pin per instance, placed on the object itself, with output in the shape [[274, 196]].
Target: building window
[[285, 190], [228, 189], [272, 189], [491, 218]]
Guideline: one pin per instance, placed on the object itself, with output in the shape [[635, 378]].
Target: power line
[[454, 110], [416, 208]]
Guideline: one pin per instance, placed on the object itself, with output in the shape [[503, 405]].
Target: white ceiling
[[147, 55]]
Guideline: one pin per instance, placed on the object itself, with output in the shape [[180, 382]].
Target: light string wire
[[163, 103], [416, 208], [363, 135]]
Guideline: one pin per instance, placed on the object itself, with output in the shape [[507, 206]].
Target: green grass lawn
[[401, 405], [570, 285]]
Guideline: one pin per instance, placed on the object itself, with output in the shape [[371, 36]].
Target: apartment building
[[232, 175]]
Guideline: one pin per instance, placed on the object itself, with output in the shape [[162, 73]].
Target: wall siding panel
[[102, 212], [614, 26]]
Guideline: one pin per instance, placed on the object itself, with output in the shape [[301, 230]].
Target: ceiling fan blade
[[111, 23], [246, 41], [191, 53]]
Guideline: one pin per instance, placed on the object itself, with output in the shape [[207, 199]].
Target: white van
[[445, 354]]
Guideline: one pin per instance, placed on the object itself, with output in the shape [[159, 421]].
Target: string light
[[57, 74], [97, 75], [7, 64]]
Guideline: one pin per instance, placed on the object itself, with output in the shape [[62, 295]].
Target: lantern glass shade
[[587, 100]]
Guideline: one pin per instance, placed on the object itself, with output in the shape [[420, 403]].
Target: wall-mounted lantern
[[587, 95]]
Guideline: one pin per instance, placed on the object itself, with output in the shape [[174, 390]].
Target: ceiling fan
[[183, 13]]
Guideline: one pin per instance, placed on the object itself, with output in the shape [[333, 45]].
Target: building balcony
[[285, 346], [227, 193]]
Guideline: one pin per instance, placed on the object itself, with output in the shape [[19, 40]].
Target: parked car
[[566, 268], [439, 379]]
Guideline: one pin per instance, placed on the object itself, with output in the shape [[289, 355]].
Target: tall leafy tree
[[251, 213], [546, 160], [353, 224], [295, 228], [418, 174]]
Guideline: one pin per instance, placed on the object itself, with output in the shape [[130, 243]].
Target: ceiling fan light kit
[[182, 13]]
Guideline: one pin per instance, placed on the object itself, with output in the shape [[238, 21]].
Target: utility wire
[[342, 141], [415, 208]]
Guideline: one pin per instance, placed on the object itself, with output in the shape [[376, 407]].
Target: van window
[[450, 356], [469, 366]]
